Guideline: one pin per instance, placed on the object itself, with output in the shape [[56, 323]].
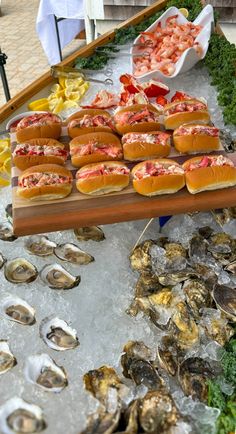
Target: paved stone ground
[[18, 39]]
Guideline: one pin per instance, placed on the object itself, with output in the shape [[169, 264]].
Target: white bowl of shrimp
[[172, 45]]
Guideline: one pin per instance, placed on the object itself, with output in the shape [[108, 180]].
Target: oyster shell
[[57, 277], [207, 274], [2, 260], [87, 233], [8, 211], [219, 330], [140, 258], [175, 255], [197, 296], [58, 335], [71, 253], [7, 360], [166, 361], [155, 304], [225, 300], [158, 413], [147, 284], [19, 270], [100, 381], [102, 423], [172, 279], [192, 375], [18, 416], [185, 326], [205, 231], [44, 372], [222, 247], [16, 309], [39, 245], [136, 365], [6, 232], [231, 267], [198, 247]]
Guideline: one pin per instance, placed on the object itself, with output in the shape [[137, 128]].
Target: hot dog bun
[[96, 182], [142, 146], [88, 151], [138, 126], [43, 191], [39, 125], [153, 185], [173, 121], [191, 143], [24, 160], [209, 178], [75, 131]]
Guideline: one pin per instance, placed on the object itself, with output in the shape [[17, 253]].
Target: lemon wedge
[[184, 12], [7, 166], [4, 143], [38, 103], [74, 95], [56, 88], [59, 105], [73, 83], [4, 181], [69, 104], [62, 81], [4, 154]]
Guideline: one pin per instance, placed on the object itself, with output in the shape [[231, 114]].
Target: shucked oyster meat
[[57, 277], [19, 417], [136, 365], [44, 372], [19, 270], [58, 335], [39, 245], [71, 253], [7, 360], [16, 309], [87, 233]]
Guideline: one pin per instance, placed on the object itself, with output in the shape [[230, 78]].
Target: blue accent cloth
[[164, 219]]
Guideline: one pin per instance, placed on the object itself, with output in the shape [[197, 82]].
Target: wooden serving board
[[78, 210]]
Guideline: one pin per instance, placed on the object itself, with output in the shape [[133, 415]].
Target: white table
[[73, 11]]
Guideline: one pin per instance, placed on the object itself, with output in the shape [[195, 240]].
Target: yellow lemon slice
[[4, 154], [7, 166], [34, 105], [59, 94], [69, 104], [62, 81], [4, 143], [73, 83], [56, 88], [58, 107], [184, 12], [4, 181], [74, 95]]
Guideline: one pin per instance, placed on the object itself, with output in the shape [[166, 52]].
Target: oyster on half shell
[[225, 300], [93, 233], [2, 260], [57, 277], [192, 375], [58, 335], [71, 253], [39, 245], [100, 381], [102, 422], [19, 270], [6, 232], [19, 417], [7, 360], [140, 258], [16, 309], [44, 372]]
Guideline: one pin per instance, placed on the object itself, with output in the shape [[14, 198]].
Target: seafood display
[[44, 372], [57, 334], [17, 416], [7, 360]]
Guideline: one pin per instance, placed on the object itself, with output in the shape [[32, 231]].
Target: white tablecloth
[[68, 29]]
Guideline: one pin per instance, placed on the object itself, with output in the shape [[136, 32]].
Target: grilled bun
[[191, 143], [158, 184], [50, 130], [45, 192], [24, 161], [75, 131], [139, 126], [173, 121], [108, 140], [98, 183], [138, 149], [208, 178]]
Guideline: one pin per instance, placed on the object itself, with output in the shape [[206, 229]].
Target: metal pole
[[58, 36], [3, 58]]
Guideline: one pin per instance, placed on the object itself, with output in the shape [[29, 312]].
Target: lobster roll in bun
[[95, 147], [143, 146], [39, 151], [38, 125], [89, 121], [209, 172], [160, 176], [137, 118], [185, 111], [102, 178], [45, 182], [194, 138]]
